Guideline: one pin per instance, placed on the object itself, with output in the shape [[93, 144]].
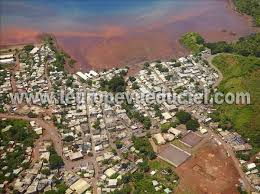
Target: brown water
[[99, 46]]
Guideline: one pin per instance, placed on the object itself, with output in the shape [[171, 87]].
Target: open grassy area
[[193, 41], [241, 74]]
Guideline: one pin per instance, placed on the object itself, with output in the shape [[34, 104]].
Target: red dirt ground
[[210, 171]]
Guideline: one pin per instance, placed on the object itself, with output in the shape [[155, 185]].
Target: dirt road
[[210, 59], [227, 147]]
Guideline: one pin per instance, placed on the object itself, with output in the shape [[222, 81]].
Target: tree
[[46, 171], [32, 114], [192, 124], [146, 64], [132, 79], [69, 138], [117, 84], [119, 144], [126, 178], [28, 47], [135, 86], [56, 161], [183, 116], [147, 123], [144, 166]]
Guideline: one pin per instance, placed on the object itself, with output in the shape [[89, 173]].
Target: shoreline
[[133, 62]]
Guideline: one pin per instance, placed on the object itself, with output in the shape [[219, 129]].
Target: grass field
[[241, 74]]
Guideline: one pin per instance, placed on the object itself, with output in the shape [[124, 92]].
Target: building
[[79, 187], [174, 131], [7, 59], [76, 155], [159, 138], [34, 50], [82, 75]]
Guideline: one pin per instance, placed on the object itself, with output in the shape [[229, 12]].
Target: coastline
[[90, 60]]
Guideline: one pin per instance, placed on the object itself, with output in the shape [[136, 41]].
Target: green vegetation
[[96, 125], [69, 138], [192, 124], [60, 189], [119, 144], [158, 112], [145, 148], [166, 126], [60, 61], [28, 47], [243, 156], [3, 75], [246, 46], [183, 116], [249, 7], [71, 62], [18, 131], [132, 113], [135, 86], [55, 160], [241, 74], [193, 41], [132, 79], [141, 180], [160, 68], [116, 84]]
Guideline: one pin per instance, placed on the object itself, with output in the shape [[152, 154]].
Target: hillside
[[249, 7], [241, 74]]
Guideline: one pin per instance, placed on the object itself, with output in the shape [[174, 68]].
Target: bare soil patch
[[210, 171]]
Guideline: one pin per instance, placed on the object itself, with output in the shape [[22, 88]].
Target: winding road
[[227, 147]]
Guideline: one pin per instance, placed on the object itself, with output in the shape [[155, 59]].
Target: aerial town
[[109, 147]]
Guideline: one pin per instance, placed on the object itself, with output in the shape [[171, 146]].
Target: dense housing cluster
[[108, 146]]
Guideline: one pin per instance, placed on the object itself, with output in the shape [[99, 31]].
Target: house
[[82, 75], [79, 187], [155, 183], [166, 116], [174, 131], [38, 130], [34, 50], [159, 138], [109, 172], [93, 73], [7, 61], [203, 130], [76, 155], [112, 183], [167, 190], [168, 136], [170, 107], [251, 166], [6, 56], [45, 155]]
